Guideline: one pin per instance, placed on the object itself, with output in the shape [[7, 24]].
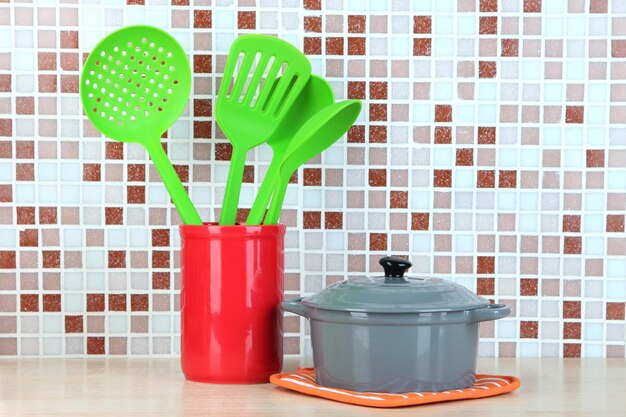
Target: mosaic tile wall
[[491, 150]]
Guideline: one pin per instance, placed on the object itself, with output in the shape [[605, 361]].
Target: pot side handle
[[295, 306], [490, 312]]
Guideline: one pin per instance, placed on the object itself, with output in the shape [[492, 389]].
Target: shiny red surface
[[232, 285]]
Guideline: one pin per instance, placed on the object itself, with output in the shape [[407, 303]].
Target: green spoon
[[314, 137], [251, 106], [316, 95], [134, 85]]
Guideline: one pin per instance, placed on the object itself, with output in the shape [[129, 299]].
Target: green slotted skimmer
[[134, 85], [314, 137], [316, 95], [252, 103]]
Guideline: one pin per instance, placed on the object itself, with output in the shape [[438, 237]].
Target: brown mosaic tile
[[509, 47], [507, 179], [114, 150], [571, 223], [571, 309], [25, 172], [615, 311], [442, 178], [422, 24], [378, 134], [528, 287], [398, 199], [139, 302], [485, 264], [443, 113], [420, 221], [378, 112], [378, 90], [117, 302], [313, 24], [378, 241], [51, 259], [95, 346], [312, 46], [312, 177], [532, 6], [202, 19], [422, 46], [443, 134], [572, 245], [312, 219], [25, 215], [571, 330], [246, 20], [464, 157], [73, 324], [29, 303], [313, 4], [488, 25], [47, 215], [488, 5], [91, 172], [356, 45], [160, 259], [161, 281], [574, 114], [377, 177], [95, 302], [485, 286], [334, 46], [136, 194], [51, 302], [571, 350], [117, 259], [333, 220], [615, 223], [595, 158], [529, 329], [356, 24], [487, 69]]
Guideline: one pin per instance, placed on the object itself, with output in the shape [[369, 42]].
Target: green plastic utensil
[[250, 108], [314, 137], [317, 94], [134, 85]]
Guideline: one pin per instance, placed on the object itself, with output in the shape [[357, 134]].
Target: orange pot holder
[[303, 380]]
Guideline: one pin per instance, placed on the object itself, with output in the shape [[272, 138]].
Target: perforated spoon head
[[135, 84]]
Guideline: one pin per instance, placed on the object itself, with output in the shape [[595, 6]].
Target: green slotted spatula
[[134, 85], [252, 103]]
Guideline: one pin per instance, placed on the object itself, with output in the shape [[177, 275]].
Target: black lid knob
[[394, 266]]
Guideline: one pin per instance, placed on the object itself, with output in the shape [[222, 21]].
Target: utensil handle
[[276, 205], [174, 186], [228, 216], [490, 312], [255, 217]]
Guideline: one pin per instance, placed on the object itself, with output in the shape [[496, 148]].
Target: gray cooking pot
[[395, 334]]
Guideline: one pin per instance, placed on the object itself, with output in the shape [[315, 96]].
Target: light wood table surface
[[156, 387]]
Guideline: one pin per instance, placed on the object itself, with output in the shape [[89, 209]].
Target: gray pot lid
[[395, 293]]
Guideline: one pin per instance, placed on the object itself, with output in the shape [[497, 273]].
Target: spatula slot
[[250, 78]]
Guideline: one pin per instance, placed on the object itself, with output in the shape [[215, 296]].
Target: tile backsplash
[[491, 150]]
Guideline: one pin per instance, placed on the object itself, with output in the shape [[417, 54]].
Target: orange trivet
[[303, 380]]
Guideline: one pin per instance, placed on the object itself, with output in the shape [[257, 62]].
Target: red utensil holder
[[232, 286]]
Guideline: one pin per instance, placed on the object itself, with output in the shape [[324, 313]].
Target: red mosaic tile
[[507, 179], [377, 177], [378, 90], [398, 199], [595, 158], [29, 303], [488, 5], [312, 46], [95, 302], [378, 134], [313, 4], [202, 64], [574, 114], [510, 47], [91, 172], [160, 259], [312, 177], [135, 194], [117, 302], [485, 286], [161, 281], [464, 157], [334, 46], [117, 259], [443, 113], [29, 238], [571, 330], [51, 259]]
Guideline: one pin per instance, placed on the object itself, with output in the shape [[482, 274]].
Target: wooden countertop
[[156, 387]]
